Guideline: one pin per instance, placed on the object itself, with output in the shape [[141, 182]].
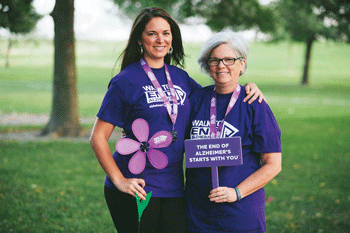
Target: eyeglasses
[[228, 61]]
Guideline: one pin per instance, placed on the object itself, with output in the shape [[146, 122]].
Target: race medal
[[174, 134], [215, 132], [172, 110]]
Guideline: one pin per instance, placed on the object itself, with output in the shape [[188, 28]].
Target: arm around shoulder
[[253, 92]]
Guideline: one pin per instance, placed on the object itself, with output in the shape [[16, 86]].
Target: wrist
[[118, 180], [238, 194]]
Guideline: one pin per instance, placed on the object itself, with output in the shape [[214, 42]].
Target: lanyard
[[172, 111], [216, 132]]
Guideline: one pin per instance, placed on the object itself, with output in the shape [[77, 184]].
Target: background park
[[53, 182]]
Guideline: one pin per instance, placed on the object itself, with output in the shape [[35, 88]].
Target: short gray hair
[[237, 42]]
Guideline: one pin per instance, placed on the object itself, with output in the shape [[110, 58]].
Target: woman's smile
[[156, 41], [225, 76]]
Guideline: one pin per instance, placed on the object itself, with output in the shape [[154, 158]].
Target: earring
[[170, 50], [141, 49]]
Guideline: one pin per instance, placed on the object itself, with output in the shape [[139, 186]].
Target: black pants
[[162, 215]]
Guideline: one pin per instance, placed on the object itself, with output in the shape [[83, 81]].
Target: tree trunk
[[7, 58], [309, 42], [64, 120]]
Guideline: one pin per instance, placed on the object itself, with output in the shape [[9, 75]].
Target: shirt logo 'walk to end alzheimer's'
[[153, 97], [201, 129]]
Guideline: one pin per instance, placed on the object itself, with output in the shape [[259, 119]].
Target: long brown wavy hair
[[132, 53]]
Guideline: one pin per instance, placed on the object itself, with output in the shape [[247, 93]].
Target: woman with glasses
[[238, 204], [149, 71]]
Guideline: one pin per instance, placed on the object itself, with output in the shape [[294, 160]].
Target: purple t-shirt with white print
[[259, 132], [131, 95]]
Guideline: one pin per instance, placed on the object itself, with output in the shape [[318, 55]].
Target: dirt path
[[33, 135], [30, 119]]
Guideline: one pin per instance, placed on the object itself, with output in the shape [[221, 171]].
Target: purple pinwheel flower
[[137, 163]]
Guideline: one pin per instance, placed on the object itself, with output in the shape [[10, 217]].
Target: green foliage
[[237, 14], [131, 8], [298, 20], [18, 16], [305, 19], [309, 20], [337, 18]]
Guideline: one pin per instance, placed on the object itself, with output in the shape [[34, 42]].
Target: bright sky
[[94, 21]]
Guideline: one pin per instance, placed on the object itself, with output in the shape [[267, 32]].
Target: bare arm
[[100, 135], [272, 165], [253, 92]]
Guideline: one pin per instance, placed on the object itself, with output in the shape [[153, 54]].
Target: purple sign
[[213, 152]]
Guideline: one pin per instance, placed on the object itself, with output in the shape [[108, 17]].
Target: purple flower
[[137, 163]]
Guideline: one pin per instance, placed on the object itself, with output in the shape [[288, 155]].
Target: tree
[[131, 8], [235, 14], [307, 20], [64, 119], [219, 14], [18, 17]]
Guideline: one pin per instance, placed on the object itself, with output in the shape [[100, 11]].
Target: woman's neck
[[225, 88], [155, 63]]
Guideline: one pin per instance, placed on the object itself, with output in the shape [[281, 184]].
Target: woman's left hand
[[253, 92], [223, 194]]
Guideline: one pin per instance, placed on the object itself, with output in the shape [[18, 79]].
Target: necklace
[[172, 111], [216, 132]]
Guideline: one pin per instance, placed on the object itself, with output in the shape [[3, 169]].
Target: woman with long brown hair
[[148, 72]]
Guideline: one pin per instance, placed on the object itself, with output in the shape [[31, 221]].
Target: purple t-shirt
[[259, 133], [131, 95]]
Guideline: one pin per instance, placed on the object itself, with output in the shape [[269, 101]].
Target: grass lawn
[[58, 186], [51, 187], [27, 85]]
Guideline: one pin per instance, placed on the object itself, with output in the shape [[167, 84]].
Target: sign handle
[[215, 177]]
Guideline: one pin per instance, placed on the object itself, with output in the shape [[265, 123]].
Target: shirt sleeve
[[115, 106], [266, 132], [194, 85]]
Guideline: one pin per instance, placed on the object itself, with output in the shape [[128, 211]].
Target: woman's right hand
[[130, 185], [100, 134]]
